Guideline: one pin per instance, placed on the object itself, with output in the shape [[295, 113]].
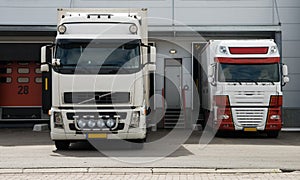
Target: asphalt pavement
[[25, 154]]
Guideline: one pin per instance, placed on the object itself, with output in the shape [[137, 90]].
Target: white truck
[[242, 85], [98, 79]]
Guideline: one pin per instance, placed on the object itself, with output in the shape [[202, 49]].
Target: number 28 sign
[[23, 90]]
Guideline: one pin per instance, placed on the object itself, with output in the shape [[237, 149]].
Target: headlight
[[58, 118], [100, 124], [224, 116], [110, 123], [61, 29], [275, 117], [91, 123], [81, 123], [135, 120]]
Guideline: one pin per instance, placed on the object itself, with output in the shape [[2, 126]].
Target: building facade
[[176, 28]]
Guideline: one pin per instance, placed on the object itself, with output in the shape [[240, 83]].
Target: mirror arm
[[144, 45]]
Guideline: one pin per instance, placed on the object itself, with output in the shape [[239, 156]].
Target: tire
[[272, 134], [62, 145]]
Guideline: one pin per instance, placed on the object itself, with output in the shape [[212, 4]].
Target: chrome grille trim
[[249, 117]]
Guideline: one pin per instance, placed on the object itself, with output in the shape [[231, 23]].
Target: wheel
[[272, 134], [62, 145]]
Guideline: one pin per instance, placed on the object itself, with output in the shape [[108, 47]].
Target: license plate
[[250, 129], [96, 136]]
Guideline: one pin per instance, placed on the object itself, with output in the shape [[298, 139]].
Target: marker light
[[91, 123], [275, 117], [110, 123], [81, 123], [100, 124], [133, 29], [273, 50], [172, 51], [58, 118], [61, 29], [224, 116], [223, 50]]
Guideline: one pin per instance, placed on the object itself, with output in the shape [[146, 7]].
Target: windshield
[[98, 56], [248, 72]]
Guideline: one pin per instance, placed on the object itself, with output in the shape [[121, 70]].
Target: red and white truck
[[242, 85]]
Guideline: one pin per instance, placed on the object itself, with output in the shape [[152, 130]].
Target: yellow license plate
[[250, 129], [96, 136]]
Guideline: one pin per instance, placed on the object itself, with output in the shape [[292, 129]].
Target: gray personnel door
[[173, 78]]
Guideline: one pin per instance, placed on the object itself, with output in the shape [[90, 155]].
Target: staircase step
[[174, 118], [177, 127], [167, 123]]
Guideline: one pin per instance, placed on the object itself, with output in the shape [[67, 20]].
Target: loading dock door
[[20, 81], [20, 84]]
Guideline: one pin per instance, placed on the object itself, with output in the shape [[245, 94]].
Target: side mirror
[[55, 62], [44, 68], [285, 70], [285, 73], [286, 79], [46, 53], [43, 54], [152, 57]]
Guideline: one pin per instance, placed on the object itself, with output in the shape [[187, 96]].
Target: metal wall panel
[[291, 32], [291, 49], [289, 15], [291, 99], [289, 3], [27, 16], [122, 3], [294, 84], [293, 65], [223, 3], [34, 3], [224, 16]]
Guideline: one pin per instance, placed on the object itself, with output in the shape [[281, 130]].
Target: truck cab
[[99, 69], [246, 79]]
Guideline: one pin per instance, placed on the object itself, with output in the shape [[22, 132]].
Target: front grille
[[249, 117], [96, 97], [257, 98]]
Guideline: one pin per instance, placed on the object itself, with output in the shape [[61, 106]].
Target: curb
[[123, 171]]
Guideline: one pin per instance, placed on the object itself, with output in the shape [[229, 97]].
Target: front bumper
[[128, 135], [69, 131]]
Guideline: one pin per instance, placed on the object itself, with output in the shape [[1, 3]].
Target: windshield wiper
[[267, 80], [234, 80]]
